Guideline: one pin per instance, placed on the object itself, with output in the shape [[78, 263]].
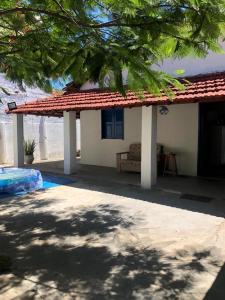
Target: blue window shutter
[[119, 123], [112, 124], [107, 124]]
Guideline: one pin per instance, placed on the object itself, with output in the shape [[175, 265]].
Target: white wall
[[192, 65], [2, 142], [177, 131], [102, 152], [214, 62], [53, 137], [54, 133]]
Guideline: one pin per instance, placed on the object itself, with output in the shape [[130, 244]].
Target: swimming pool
[[18, 180]]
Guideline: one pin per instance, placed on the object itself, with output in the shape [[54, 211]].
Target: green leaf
[[45, 39], [180, 71]]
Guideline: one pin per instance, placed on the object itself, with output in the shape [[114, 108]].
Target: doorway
[[211, 154]]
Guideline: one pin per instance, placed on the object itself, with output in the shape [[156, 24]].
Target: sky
[[59, 84]]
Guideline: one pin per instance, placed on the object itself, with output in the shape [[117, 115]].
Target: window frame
[[114, 136]]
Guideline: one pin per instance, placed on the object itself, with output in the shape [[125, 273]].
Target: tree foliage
[[87, 39]]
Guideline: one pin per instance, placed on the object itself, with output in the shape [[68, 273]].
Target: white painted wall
[[192, 65], [54, 138], [6, 144], [2, 142], [177, 131], [214, 62]]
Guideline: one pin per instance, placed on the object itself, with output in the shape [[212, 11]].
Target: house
[[193, 128]]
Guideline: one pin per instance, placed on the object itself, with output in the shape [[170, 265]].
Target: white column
[[69, 142], [43, 139], [149, 147], [2, 143], [18, 140]]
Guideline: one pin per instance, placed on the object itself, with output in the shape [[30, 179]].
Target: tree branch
[[9, 52], [113, 23]]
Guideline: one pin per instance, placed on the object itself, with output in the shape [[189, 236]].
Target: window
[[112, 123]]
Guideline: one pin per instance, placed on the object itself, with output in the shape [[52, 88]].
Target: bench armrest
[[120, 153], [119, 159]]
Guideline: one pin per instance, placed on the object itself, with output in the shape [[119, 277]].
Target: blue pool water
[[50, 181]]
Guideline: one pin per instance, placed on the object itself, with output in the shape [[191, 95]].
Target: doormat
[[196, 198], [212, 179]]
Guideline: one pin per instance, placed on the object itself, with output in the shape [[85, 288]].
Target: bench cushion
[[134, 152]]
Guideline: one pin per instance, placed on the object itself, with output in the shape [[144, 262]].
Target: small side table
[[170, 165]]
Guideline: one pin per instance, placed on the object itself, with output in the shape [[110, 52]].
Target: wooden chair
[[170, 165]]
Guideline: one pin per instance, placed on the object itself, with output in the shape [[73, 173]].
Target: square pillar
[[149, 147], [69, 142], [43, 139], [18, 140]]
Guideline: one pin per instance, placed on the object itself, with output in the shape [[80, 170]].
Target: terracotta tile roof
[[202, 88]]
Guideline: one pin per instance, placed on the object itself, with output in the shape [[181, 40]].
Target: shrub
[[29, 147]]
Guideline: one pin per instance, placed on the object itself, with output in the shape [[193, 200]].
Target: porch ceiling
[[202, 88]]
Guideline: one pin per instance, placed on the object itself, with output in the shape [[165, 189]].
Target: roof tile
[[203, 88]]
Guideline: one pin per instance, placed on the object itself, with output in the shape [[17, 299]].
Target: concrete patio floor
[[97, 239], [209, 187]]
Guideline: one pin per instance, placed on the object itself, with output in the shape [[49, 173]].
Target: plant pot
[[29, 159]]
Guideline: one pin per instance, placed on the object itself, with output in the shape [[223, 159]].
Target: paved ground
[[213, 187], [111, 241]]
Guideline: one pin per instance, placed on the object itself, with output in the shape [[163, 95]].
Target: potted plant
[[29, 148]]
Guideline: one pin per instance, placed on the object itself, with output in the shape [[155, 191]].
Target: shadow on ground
[[72, 254], [217, 291], [216, 207]]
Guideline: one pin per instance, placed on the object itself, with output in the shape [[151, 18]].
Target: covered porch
[[208, 88], [70, 163]]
